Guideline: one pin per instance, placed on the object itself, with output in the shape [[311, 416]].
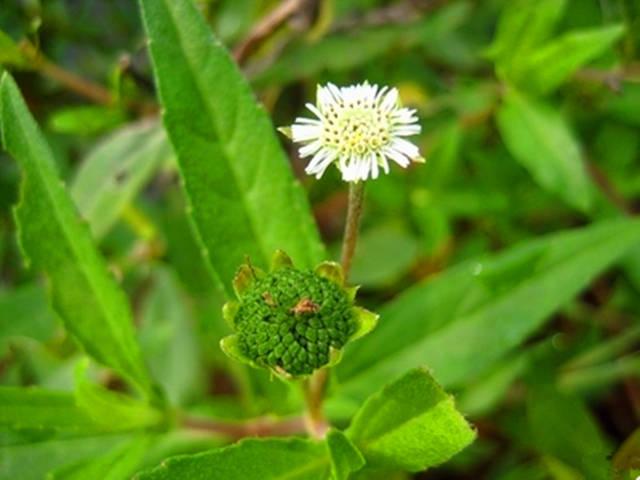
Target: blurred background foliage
[[531, 120]]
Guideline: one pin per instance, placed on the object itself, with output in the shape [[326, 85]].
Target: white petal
[[384, 163], [397, 157], [301, 133], [316, 160], [374, 166], [322, 166], [310, 149], [390, 100], [406, 130], [315, 110], [405, 147]]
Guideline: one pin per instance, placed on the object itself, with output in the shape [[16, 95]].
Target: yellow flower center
[[355, 128]]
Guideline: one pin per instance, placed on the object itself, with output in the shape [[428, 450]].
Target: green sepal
[[245, 276], [365, 322], [335, 356], [229, 311], [286, 131], [280, 260], [229, 345], [331, 271], [352, 292]]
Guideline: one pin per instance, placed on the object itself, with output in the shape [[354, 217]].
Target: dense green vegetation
[[145, 191]]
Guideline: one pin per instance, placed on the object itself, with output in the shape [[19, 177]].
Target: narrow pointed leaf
[[244, 199], [54, 240], [466, 319], [539, 138], [552, 64], [115, 171]]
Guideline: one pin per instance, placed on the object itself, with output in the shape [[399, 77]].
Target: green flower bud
[[292, 321]]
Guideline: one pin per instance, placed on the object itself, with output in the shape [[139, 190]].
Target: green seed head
[[292, 321], [289, 319]]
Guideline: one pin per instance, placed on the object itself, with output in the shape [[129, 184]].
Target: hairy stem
[[316, 386], [354, 212]]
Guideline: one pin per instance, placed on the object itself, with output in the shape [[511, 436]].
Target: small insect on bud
[[292, 321], [305, 306]]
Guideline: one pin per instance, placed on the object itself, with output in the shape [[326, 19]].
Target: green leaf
[[85, 119], [469, 317], [35, 408], [167, 337], [113, 411], [561, 426], [551, 65], [115, 171], [411, 424], [119, 464], [54, 240], [25, 312], [523, 26], [539, 138], [10, 53], [250, 459], [345, 457], [384, 254], [33, 461], [243, 197], [481, 396], [346, 51]]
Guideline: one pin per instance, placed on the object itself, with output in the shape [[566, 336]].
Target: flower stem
[[354, 212], [316, 386]]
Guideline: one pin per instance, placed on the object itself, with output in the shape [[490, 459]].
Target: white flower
[[359, 128]]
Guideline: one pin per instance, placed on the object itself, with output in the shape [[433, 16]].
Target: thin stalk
[[354, 212], [258, 427], [316, 386]]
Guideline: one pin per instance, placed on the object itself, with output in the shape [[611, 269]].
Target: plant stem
[[354, 212], [258, 427], [315, 387]]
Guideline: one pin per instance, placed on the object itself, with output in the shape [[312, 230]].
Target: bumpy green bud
[[292, 321]]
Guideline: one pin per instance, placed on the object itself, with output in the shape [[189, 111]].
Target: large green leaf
[[254, 459], [118, 464], [243, 198], [539, 138], [24, 311], [467, 318], [54, 240], [411, 424], [34, 408], [115, 171], [552, 64], [32, 461]]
